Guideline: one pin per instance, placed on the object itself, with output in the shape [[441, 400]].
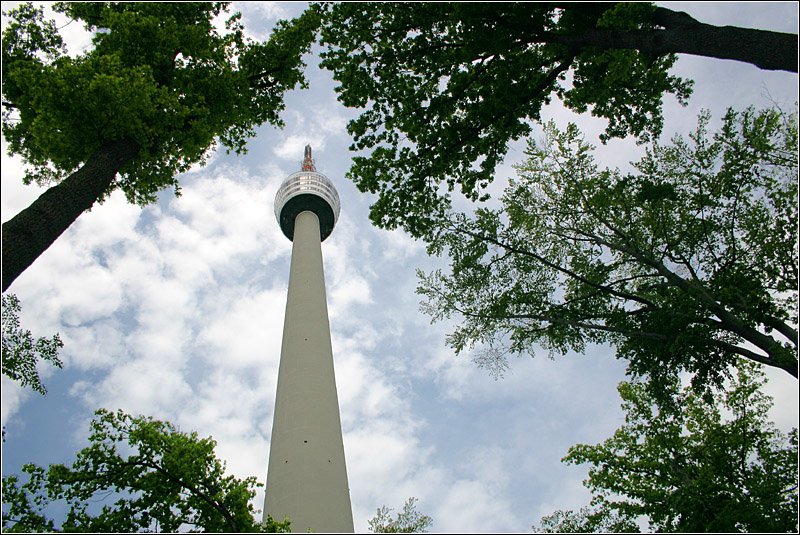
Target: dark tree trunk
[[29, 233], [682, 34]]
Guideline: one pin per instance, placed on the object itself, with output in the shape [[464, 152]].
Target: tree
[[446, 86], [694, 464], [158, 90], [407, 521], [587, 520], [162, 480], [684, 264], [21, 352]]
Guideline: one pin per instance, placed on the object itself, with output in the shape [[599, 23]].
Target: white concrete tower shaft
[[307, 475]]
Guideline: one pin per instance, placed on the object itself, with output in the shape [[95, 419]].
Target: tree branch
[[565, 271], [764, 49], [752, 355], [202, 495], [593, 327], [778, 355], [780, 326]]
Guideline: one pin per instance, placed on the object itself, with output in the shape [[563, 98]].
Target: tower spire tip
[[308, 161]]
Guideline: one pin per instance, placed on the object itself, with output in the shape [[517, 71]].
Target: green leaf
[[21, 353]]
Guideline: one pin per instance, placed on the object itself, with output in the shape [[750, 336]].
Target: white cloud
[[12, 395], [315, 124], [453, 373], [399, 246], [783, 388], [15, 196], [264, 10], [472, 503], [98, 345], [260, 315], [568, 493], [293, 147], [259, 17], [353, 290], [141, 386], [76, 37], [327, 121]]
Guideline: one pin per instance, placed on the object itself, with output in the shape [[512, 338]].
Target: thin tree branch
[[565, 271], [593, 326], [202, 495]]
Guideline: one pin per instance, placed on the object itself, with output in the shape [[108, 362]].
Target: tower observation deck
[[307, 476], [307, 190]]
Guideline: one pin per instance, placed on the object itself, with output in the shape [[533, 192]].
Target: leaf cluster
[[158, 74], [21, 353], [446, 86], [587, 520], [409, 520], [159, 478], [684, 264], [697, 464]]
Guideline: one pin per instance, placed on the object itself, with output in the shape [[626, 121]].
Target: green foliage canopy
[[409, 520], [21, 352], [684, 264], [694, 464], [159, 75], [160, 87], [446, 86], [586, 520], [162, 480]]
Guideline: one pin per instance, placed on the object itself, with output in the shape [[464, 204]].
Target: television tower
[[307, 476]]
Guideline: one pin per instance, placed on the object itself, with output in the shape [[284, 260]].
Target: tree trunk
[[28, 234], [684, 35]]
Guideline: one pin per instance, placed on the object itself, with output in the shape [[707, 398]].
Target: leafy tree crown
[[160, 75]]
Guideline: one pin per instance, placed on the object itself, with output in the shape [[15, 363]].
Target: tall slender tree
[[160, 87]]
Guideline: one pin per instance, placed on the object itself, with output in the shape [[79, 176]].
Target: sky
[[175, 311]]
